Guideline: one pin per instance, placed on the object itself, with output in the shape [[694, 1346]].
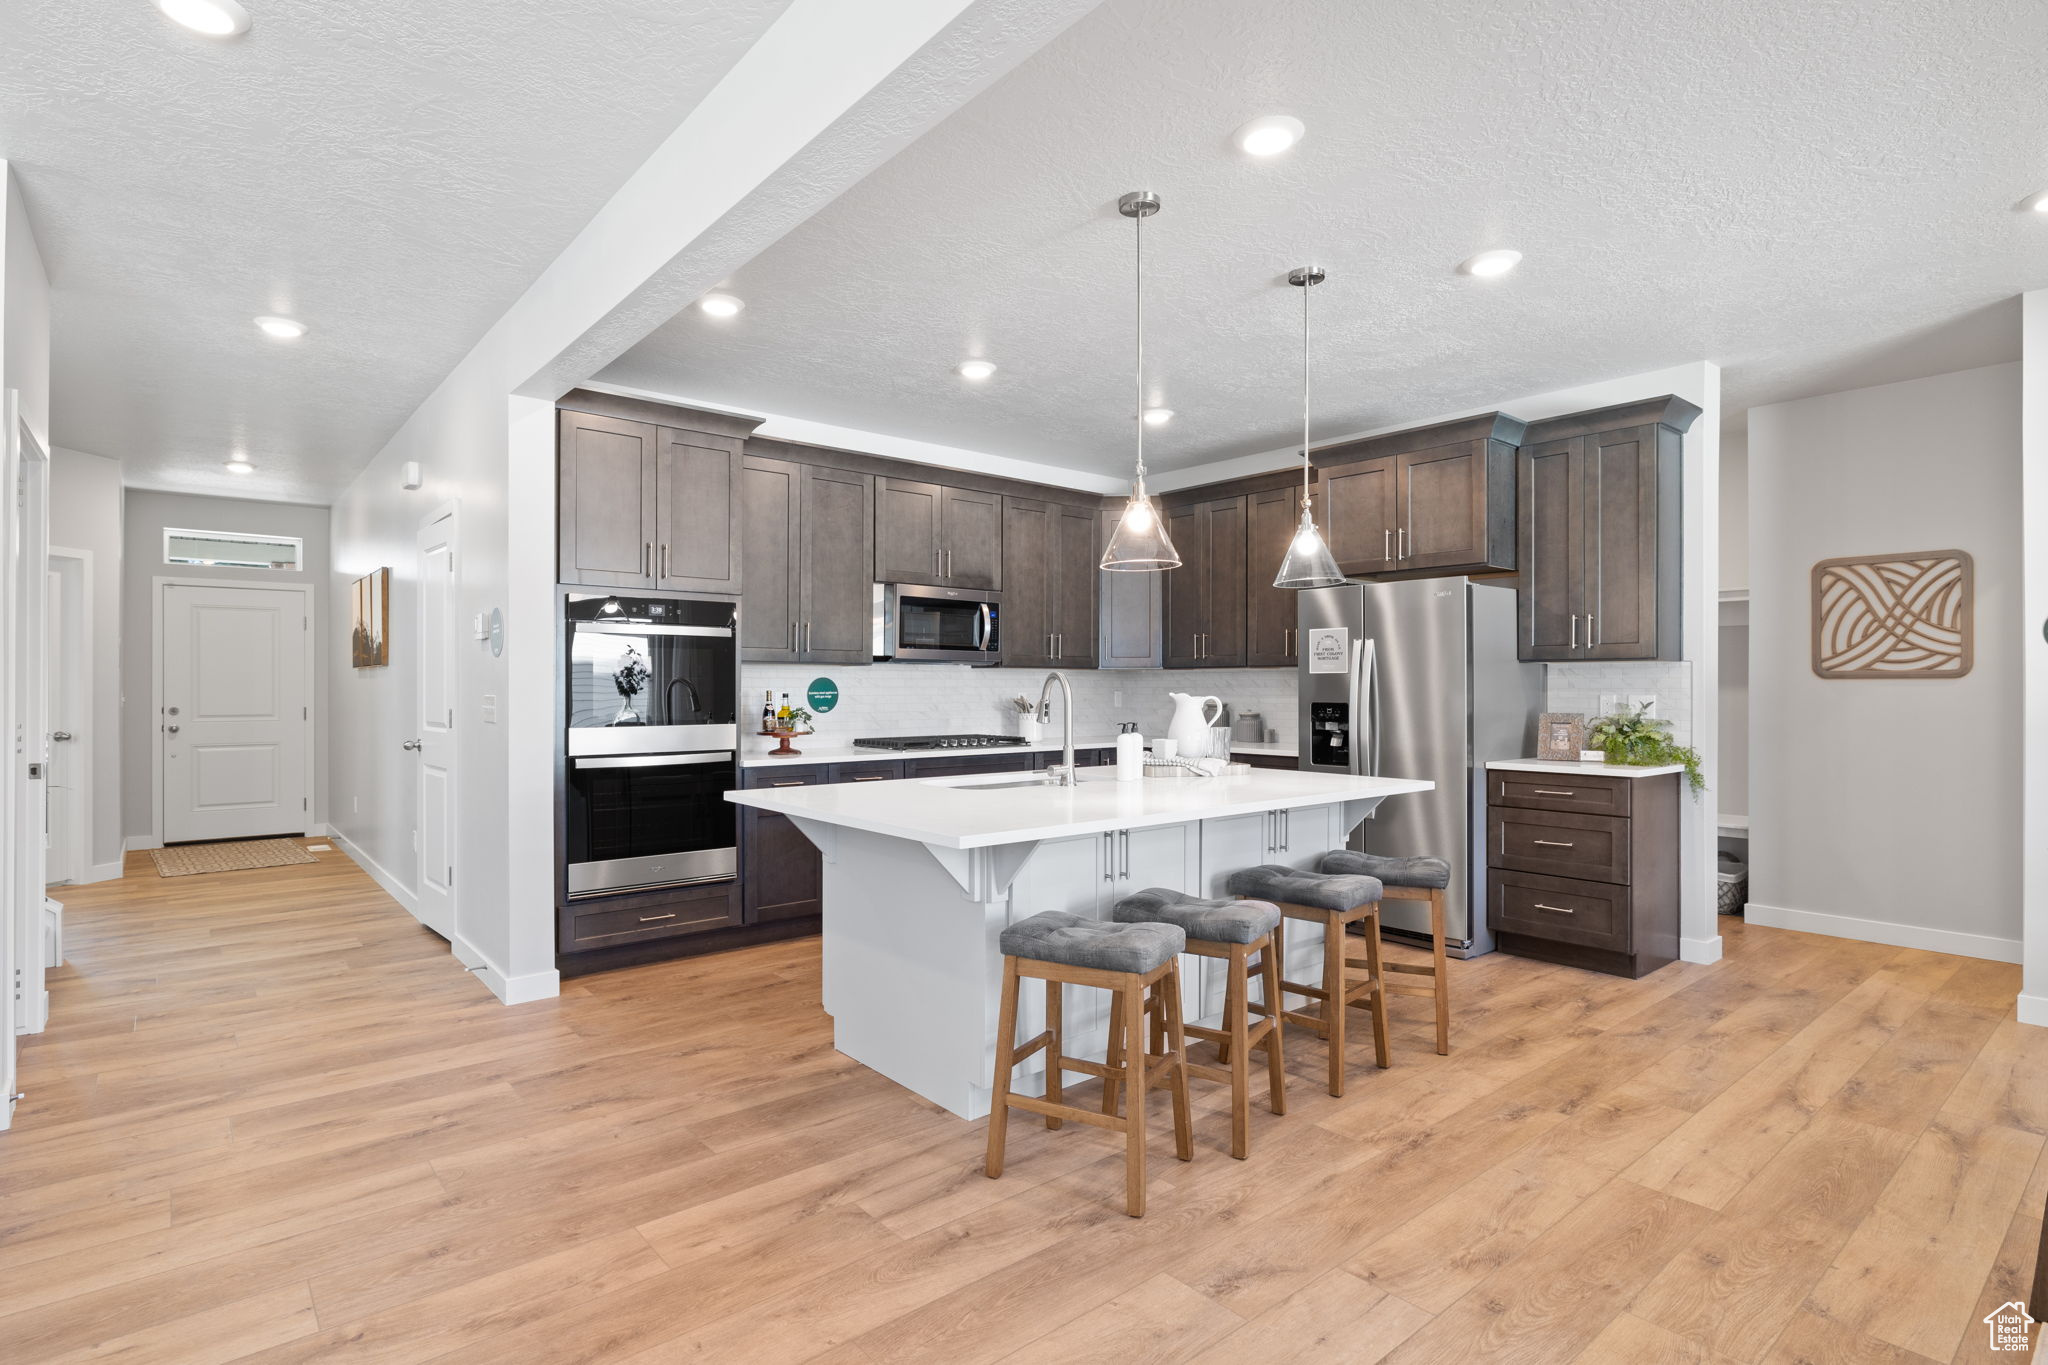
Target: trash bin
[[1731, 883]]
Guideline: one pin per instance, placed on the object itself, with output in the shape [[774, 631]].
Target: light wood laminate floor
[[274, 1121]]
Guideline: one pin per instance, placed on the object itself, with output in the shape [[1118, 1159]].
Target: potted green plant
[[1637, 739]]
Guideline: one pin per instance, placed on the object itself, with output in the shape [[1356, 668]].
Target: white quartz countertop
[[1563, 769], [950, 813], [847, 753]]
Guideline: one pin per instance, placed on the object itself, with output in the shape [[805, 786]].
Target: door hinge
[[304, 714], [451, 878], [302, 803]]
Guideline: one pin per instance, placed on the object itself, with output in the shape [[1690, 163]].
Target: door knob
[[171, 729], [409, 744], [59, 736]]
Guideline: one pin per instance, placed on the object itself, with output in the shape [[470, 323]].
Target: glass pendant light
[[1140, 543], [1308, 562]]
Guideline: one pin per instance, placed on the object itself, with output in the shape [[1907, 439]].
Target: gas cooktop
[[941, 742]]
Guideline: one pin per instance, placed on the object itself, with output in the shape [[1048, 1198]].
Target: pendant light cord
[[1139, 219], [1305, 467]]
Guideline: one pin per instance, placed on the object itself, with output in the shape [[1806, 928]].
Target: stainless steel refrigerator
[[1419, 679]]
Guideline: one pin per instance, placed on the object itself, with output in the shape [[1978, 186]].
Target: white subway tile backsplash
[[925, 699], [1580, 688]]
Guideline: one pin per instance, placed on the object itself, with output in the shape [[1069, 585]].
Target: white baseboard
[[105, 872], [143, 843], [1884, 931], [2034, 1010], [379, 874], [510, 990], [1700, 949]]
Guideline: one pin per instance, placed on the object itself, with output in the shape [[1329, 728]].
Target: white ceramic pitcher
[[1189, 728]]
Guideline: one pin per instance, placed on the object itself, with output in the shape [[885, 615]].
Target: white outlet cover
[[1610, 702]]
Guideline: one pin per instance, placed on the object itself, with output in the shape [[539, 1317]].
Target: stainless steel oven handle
[[648, 760], [627, 628]]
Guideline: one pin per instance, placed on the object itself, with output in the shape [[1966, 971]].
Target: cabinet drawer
[[866, 772], [1559, 843], [774, 775], [653, 916], [1560, 909], [1538, 791], [968, 763]]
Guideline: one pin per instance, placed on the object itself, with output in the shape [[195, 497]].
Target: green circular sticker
[[823, 695]]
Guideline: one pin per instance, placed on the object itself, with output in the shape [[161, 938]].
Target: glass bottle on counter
[[767, 710]]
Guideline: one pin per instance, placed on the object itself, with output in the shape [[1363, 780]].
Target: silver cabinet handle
[[1550, 843], [1540, 792], [1560, 909], [1402, 536], [786, 784], [1592, 636], [646, 557], [807, 637], [1386, 544], [653, 919], [1109, 855], [410, 746], [938, 562], [664, 559], [792, 637], [59, 736], [949, 563], [1575, 630], [1123, 837], [877, 777]]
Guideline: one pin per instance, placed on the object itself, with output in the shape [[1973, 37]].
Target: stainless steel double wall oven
[[652, 736]]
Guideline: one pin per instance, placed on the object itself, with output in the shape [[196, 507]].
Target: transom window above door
[[232, 549]]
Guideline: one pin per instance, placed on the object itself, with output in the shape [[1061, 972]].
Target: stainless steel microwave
[[916, 624]]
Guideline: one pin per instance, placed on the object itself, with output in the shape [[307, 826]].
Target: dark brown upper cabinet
[[1133, 606], [1205, 596], [1602, 533], [808, 538], [1270, 613], [1434, 501], [646, 502], [937, 535], [1049, 605]]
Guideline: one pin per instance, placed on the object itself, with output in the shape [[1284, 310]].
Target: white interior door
[[66, 704], [434, 737], [236, 707]]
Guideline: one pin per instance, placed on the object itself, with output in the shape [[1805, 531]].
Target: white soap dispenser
[[1130, 752]]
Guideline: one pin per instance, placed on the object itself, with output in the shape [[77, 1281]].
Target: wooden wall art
[[1893, 616], [369, 642]]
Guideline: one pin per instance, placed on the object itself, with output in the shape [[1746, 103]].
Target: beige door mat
[[188, 860]]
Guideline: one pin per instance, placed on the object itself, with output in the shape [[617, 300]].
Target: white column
[[2033, 1001]]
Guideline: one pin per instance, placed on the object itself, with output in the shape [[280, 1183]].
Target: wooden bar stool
[[1230, 931], [1336, 903], [1128, 960], [1409, 879]]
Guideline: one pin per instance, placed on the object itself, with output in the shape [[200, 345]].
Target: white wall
[[145, 516], [25, 345], [85, 514], [1734, 502], [1732, 799], [1890, 809], [2033, 1004]]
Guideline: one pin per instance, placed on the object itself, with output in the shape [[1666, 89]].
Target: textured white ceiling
[[1816, 194], [395, 175]]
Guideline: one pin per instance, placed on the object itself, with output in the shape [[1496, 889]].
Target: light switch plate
[[490, 709], [1637, 700]]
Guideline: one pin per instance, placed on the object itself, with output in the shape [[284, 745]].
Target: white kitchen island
[[921, 877]]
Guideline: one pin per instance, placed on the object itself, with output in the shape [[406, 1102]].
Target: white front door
[[234, 727], [65, 707], [435, 733]]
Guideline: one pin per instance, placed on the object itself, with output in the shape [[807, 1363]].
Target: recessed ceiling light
[[214, 18], [2037, 202], [1269, 136], [1488, 264], [977, 370], [238, 465], [1158, 417], [721, 305], [281, 329]]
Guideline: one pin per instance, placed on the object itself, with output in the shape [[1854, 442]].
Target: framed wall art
[[1894, 616], [370, 623]]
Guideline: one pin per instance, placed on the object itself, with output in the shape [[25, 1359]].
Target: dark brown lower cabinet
[[780, 876], [1583, 869]]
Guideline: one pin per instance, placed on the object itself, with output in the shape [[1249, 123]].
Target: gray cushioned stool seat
[[1211, 921], [1428, 873], [1278, 882], [1077, 941]]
